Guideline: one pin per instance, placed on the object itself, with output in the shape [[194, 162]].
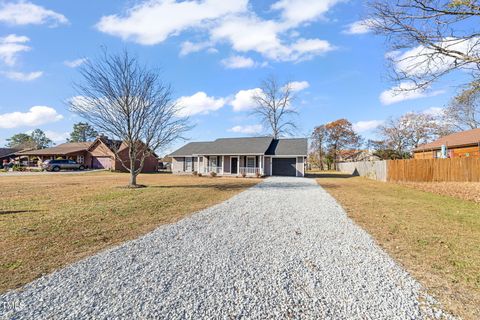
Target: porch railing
[[249, 170]]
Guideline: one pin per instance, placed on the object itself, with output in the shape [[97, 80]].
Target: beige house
[[243, 156]]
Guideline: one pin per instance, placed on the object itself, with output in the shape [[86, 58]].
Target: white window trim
[[254, 161], [80, 157]]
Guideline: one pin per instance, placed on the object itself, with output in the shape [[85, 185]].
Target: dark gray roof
[[244, 146], [288, 147]]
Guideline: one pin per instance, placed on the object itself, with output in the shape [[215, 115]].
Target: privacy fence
[[428, 170]]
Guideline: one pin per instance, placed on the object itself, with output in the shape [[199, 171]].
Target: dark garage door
[[284, 167]]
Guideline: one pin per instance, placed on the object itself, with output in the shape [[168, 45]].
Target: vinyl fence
[[430, 170], [376, 170], [418, 170]]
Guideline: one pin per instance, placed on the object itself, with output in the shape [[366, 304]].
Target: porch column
[[198, 163], [262, 165], [223, 163]]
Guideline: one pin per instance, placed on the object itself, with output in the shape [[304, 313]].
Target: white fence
[[376, 170]]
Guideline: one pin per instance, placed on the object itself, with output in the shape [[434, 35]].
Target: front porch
[[230, 165]]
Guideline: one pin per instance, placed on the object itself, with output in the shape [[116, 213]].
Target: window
[[213, 162], [250, 162], [80, 159], [188, 164]]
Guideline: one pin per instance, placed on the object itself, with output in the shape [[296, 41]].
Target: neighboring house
[[458, 145], [8, 154], [238, 156], [98, 154], [356, 155]]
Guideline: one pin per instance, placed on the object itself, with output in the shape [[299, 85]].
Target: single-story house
[[238, 156], [458, 145], [98, 154]]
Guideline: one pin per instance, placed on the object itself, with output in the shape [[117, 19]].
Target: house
[[7, 154], [98, 154], [356, 155], [458, 145], [238, 156]]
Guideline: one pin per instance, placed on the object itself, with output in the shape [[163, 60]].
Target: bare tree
[[274, 106], [407, 132], [435, 35], [318, 145], [128, 102], [463, 112]]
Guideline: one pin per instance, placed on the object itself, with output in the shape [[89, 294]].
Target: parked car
[[57, 165]]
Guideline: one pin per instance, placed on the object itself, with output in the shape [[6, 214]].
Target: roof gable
[[288, 147]]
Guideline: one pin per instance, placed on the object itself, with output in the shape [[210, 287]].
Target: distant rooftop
[[464, 138]]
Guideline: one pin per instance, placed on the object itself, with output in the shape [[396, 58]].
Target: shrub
[[200, 175], [244, 174], [213, 174], [195, 173], [17, 167]]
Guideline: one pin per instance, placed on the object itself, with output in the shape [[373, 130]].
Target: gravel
[[282, 249]]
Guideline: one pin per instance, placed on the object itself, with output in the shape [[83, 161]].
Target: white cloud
[[75, 63], [250, 33], [420, 60], [37, 115], [363, 126], [21, 76], [248, 129], [243, 99], [359, 27], [299, 85], [153, 21], [405, 91], [238, 62], [229, 21], [188, 47], [11, 46], [57, 136], [299, 11], [24, 13], [434, 111], [199, 103]]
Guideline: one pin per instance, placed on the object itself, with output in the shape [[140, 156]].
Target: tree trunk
[[133, 179]]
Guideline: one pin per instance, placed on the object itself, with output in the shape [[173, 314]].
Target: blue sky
[[213, 52]]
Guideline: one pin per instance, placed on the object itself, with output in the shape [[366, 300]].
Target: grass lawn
[[47, 222], [435, 237]]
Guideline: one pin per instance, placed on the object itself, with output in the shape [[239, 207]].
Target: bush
[[213, 174], [195, 173], [244, 174], [200, 175], [17, 167]]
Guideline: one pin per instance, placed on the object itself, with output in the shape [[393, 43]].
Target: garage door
[[284, 167], [101, 163]]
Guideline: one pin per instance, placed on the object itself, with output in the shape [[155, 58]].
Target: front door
[[234, 165]]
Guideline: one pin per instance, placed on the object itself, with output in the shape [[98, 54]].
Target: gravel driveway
[[282, 249]]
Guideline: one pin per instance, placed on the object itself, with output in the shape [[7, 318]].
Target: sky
[[214, 53]]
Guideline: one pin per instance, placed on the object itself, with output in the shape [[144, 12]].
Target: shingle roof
[[244, 146], [464, 138], [4, 152], [61, 149], [288, 147]]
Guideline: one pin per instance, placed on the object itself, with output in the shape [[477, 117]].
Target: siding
[[226, 166], [178, 164], [268, 160]]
